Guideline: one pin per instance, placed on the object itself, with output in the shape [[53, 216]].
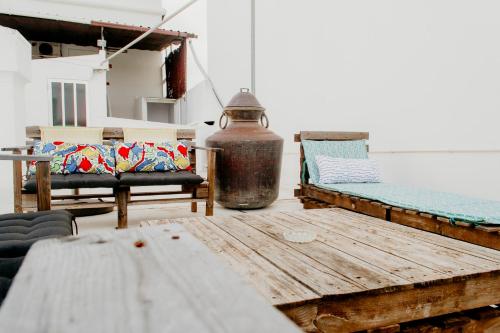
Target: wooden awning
[[116, 35]]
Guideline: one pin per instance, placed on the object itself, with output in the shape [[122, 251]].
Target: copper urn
[[248, 169]]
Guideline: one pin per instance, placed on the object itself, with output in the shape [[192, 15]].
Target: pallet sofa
[[35, 193], [312, 196]]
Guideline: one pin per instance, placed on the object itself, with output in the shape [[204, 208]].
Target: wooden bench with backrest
[[33, 193], [313, 196]]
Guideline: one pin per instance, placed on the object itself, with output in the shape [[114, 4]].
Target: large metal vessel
[[249, 167]]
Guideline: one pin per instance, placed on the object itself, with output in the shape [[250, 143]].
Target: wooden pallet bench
[[314, 197], [118, 195]]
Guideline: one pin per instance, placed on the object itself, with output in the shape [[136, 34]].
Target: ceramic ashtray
[[299, 236]]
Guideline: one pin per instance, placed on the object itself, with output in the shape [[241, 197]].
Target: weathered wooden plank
[[79, 205], [19, 157], [345, 201], [367, 310], [33, 132], [209, 209], [444, 262], [158, 279], [343, 263], [367, 249], [17, 177], [315, 204], [439, 225], [274, 284], [43, 185], [121, 199], [488, 228], [304, 268], [164, 200], [431, 238], [356, 252], [337, 136]]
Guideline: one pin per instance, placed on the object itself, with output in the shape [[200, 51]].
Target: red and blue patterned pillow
[[73, 158], [97, 159], [150, 157]]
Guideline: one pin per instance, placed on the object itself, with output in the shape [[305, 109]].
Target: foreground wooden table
[[360, 273], [158, 279]]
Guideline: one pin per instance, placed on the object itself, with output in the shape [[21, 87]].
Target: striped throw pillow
[[344, 170]]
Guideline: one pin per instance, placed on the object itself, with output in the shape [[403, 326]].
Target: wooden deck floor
[[360, 272]]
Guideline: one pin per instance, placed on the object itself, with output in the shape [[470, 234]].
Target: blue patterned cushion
[[68, 158], [347, 170], [336, 149], [152, 157], [450, 205]]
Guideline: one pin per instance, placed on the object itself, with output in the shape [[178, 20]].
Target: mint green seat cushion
[[336, 149], [453, 206]]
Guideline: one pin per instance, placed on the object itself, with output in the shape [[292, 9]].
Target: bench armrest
[[207, 148], [19, 157], [17, 148], [43, 183]]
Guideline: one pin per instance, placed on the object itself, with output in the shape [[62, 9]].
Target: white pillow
[[344, 170]]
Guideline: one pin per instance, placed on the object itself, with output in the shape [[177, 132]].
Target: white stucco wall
[[82, 69], [15, 72], [133, 75], [144, 12], [420, 76], [193, 20]]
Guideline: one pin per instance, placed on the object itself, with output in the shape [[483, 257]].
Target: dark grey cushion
[[159, 178], [18, 232], [4, 287], [76, 181]]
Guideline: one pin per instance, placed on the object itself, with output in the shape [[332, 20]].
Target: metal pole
[[252, 50], [150, 31]]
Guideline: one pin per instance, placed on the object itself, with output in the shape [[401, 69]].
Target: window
[[68, 103]]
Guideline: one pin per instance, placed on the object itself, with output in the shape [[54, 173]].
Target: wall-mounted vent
[[45, 50]]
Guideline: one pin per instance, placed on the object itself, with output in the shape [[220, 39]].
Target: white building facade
[[52, 74], [422, 77]]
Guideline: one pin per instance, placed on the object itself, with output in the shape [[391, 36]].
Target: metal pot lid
[[244, 100]]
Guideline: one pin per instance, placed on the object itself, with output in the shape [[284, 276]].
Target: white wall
[[229, 46], [419, 76], [133, 75], [80, 68], [15, 72], [144, 12], [193, 20]]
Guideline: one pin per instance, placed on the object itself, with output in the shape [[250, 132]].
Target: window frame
[[75, 105]]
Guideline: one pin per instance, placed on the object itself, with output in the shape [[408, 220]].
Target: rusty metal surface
[[248, 169]]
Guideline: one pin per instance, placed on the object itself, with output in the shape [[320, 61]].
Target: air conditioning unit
[[45, 50]]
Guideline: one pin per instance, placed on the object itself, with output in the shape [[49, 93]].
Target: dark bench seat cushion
[[18, 232], [76, 181], [159, 178]]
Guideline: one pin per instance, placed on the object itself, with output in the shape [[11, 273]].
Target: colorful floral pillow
[[57, 149], [71, 158], [181, 155], [96, 159], [150, 157]]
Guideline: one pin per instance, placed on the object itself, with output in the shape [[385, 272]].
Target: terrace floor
[[137, 214]]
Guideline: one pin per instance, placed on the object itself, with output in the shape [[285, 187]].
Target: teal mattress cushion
[[453, 206], [335, 149]]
